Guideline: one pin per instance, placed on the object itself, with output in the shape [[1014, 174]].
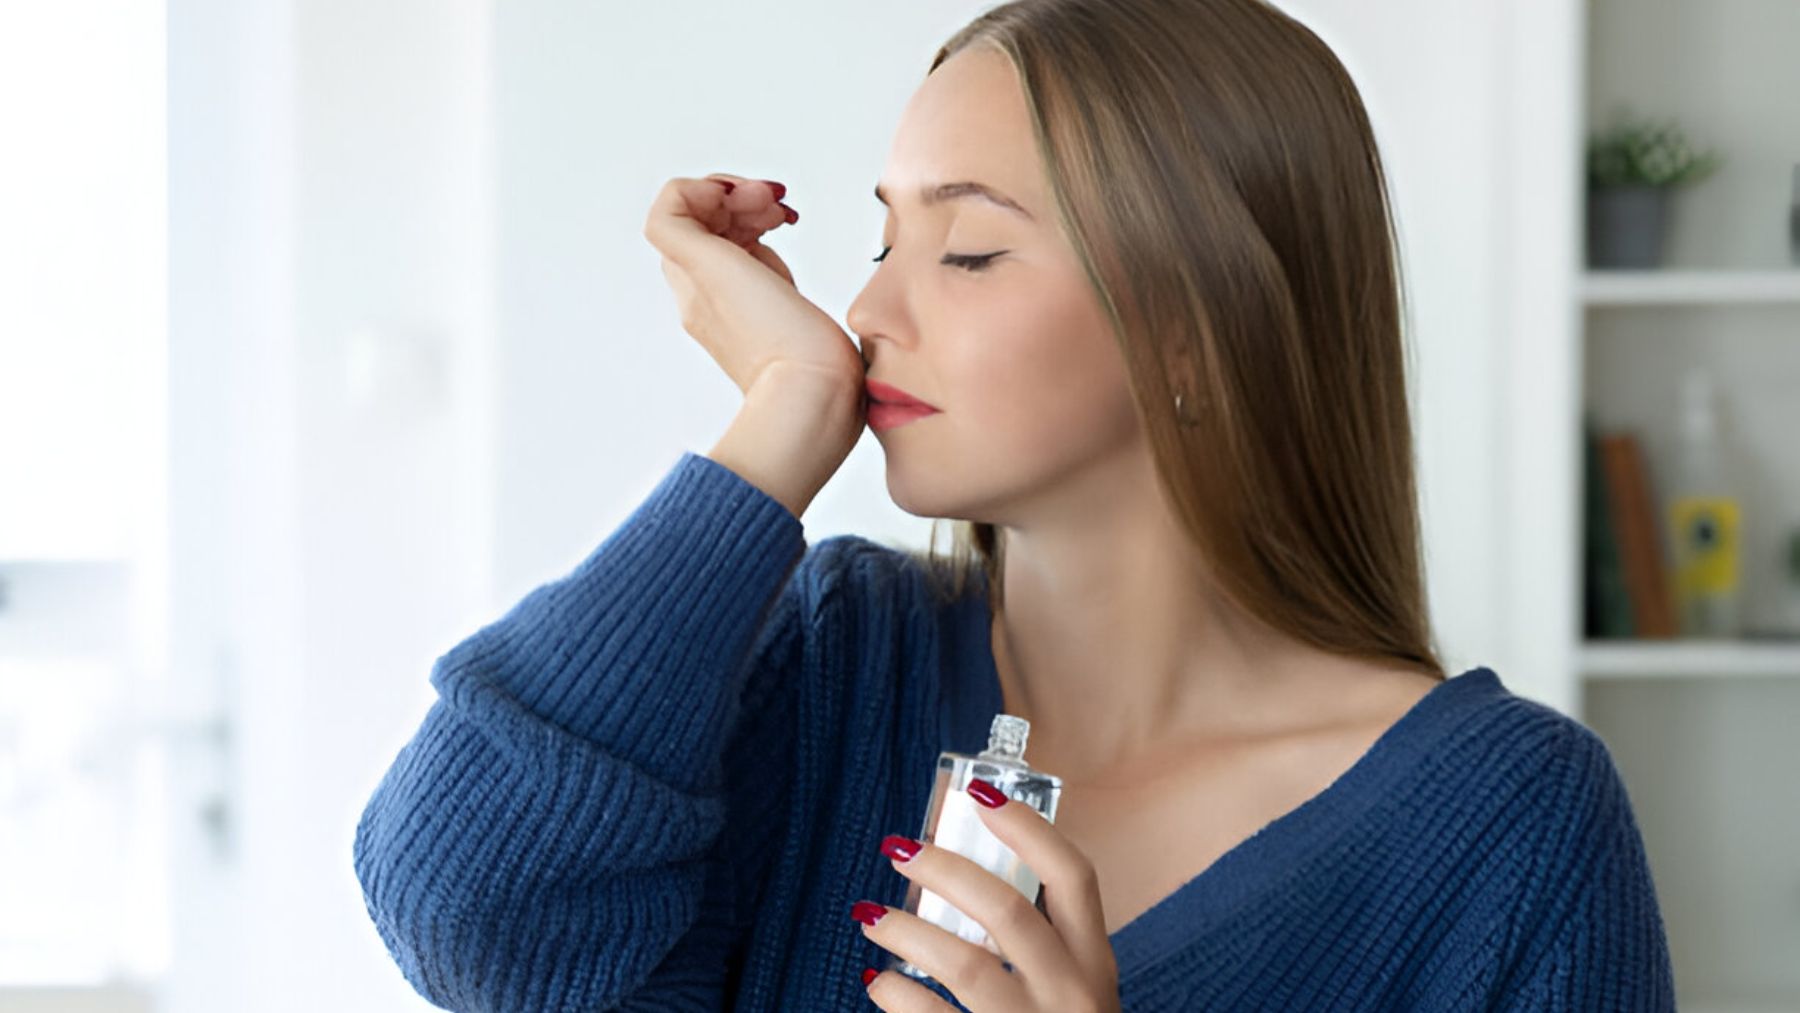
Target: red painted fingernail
[[727, 184], [792, 215], [869, 974], [779, 188], [903, 848], [986, 794], [867, 912]]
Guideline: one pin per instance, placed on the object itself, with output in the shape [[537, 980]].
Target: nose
[[875, 313], [857, 316]]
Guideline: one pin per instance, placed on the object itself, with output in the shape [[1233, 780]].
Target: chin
[[915, 494], [931, 487], [917, 481]]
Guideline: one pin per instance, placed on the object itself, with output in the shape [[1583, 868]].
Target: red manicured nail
[[903, 848], [869, 974], [867, 912], [986, 794], [727, 184], [792, 215], [779, 188]]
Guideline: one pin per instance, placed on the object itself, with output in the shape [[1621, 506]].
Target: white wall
[[332, 198]]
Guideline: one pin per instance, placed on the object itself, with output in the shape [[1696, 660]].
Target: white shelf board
[[1690, 658], [1667, 287]]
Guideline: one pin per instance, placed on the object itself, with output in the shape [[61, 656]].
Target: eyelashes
[[968, 262]]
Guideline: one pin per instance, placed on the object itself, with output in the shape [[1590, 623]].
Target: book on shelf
[[1635, 517], [1606, 604]]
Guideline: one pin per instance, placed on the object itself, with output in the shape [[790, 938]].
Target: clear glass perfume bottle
[[953, 822], [1706, 515]]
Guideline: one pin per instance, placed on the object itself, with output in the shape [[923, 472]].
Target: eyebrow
[[941, 192]]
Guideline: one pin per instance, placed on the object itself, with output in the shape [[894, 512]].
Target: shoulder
[[850, 559], [1545, 781], [1546, 744], [855, 564], [1519, 737], [1512, 805], [1565, 861], [1582, 803], [844, 576]]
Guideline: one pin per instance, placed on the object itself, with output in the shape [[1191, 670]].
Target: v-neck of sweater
[[1259, 862]]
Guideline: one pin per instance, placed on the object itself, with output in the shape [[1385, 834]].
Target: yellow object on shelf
[[1706, 531], [1706, 539]]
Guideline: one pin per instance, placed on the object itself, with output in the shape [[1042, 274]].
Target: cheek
[[1036, 394], [1048, 375], [1034, 390]]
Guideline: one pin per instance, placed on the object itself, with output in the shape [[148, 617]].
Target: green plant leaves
[[1646, 152]]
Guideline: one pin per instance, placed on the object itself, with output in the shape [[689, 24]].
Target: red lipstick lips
[[889, 406], [889, 394]]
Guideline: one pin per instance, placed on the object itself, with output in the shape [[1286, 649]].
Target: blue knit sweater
[[659, 781]]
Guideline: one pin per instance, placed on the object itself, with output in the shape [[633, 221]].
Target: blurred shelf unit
[[1700, 729], [1690, 659], [1691, 287]]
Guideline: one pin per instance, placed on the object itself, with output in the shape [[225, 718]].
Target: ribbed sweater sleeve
[[1603, 945], [556, 834]]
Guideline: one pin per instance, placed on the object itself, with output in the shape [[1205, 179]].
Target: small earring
[[1181, 414]]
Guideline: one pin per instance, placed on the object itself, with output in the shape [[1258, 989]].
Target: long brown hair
[[1214, 167]]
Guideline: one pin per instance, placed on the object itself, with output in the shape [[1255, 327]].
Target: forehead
[[966, 122]]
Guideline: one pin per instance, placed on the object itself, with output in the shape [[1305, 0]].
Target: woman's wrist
[[792, 433]]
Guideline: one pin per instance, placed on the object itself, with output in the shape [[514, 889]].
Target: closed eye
[[968, 262]]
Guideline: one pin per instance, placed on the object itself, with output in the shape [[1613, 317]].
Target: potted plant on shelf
[[1631, 168]]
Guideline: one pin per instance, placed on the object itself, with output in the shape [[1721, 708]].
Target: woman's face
[[1016, 354]]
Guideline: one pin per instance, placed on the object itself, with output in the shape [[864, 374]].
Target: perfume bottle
[[952, 822], [1706, 516]]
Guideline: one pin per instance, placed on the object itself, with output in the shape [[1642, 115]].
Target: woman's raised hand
[[737, 297]]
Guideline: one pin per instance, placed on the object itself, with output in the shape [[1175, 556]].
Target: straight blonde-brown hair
[[1215, 169]]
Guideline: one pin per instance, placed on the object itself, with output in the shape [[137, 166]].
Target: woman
[[1137, 326]]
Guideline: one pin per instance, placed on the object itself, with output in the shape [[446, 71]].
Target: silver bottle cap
[[1007, 735]]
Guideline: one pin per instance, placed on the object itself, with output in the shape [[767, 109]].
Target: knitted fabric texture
[[659, 782]]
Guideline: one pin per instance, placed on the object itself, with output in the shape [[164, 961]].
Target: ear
[[1181, 358]]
